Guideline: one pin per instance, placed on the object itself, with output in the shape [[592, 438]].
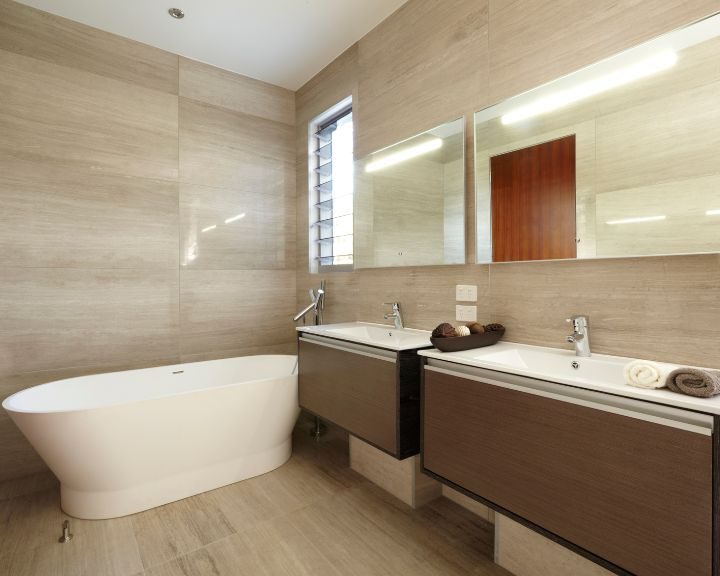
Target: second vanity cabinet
[[371, 392], [627, 483]]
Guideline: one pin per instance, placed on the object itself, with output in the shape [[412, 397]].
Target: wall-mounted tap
[[317, 305], [581, 335], [396, 316]]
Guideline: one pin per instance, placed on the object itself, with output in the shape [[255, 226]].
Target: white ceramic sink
[[599, 372], [380, 335], [551, 363]]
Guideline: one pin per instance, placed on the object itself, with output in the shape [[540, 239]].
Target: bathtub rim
[[128, 402]]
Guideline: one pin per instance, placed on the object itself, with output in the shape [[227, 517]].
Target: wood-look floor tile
[[172, 530], [228, 557]]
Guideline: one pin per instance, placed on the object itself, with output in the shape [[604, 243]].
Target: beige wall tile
[[425, 65], [55, 318], [225, 89], [59, 115], [335, 82], [57, 40], [55, 216], [233, 309], [535, 41], [657, 308], [222, 148], [263, 239]]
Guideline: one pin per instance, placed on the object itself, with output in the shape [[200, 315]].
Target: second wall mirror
[[618, 159]]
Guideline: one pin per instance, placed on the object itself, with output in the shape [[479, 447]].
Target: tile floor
[[313, 516]]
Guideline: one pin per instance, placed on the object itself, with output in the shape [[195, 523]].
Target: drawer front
[[355, 391], [636, 493]]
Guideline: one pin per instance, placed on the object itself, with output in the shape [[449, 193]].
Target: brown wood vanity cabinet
[[373, 393], [629, 484]]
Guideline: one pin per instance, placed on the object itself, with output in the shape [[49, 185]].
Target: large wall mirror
[[618, 159], [409, 205]]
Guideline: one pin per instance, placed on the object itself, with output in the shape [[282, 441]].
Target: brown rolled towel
[[694, 382]]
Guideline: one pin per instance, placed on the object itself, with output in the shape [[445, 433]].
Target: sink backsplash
[[660, 308]]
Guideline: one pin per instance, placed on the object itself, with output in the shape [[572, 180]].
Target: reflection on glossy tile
[[61, 115], [76, 218], [229, 309], [60, 41], [225, 89], [54, 318], [223, 149], [263, 238]]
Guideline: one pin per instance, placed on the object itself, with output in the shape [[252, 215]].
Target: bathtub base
[[113, 504]]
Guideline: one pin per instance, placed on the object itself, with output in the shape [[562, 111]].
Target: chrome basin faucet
[[581, 335], [395, 314]]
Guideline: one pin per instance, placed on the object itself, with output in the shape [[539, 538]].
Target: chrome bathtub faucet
[[317, 305], [581, 335]]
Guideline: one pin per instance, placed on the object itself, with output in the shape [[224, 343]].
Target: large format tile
[[57, 40], [224, 149], [55, 114], [55, 318], [657, 308], [425, 65], [166, 532], [234, 309], [264, 237], [225, 89], [55, 216], [535, 41], [331, 85], [31, 526]]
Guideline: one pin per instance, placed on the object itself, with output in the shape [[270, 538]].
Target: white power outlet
[[466, 293], [466, 313]]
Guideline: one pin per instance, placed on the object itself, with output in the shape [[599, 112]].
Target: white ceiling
[[284, 42]]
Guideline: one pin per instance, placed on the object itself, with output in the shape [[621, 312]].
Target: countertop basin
[[599, 372], [379, 335]]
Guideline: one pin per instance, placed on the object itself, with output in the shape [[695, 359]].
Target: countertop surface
[[600, 372]]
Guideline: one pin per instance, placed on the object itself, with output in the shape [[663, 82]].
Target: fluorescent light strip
[[642, 69], [403, 155], [636, 220], [209, 228], [712, 213], [235, 218]]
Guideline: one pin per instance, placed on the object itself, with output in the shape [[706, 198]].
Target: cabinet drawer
[[634, 492], [353, 390]]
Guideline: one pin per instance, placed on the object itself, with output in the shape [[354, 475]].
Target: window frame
[[333, 114]]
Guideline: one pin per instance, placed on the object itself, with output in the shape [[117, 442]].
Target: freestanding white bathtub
[[124, 442]]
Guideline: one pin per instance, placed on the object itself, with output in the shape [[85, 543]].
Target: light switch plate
[[466, 313], [466, 293]]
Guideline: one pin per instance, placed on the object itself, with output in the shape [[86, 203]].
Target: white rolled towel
[[646, 374]]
